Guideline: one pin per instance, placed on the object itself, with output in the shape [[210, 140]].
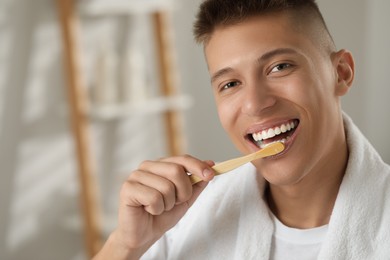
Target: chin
[[278, 173]]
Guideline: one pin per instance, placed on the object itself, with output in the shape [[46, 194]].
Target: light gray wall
[[39, 191], [39, 216], [378, 83], [361, 27]]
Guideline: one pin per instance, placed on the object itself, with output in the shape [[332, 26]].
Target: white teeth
[[264, 135], [278, 131], [272, 132]]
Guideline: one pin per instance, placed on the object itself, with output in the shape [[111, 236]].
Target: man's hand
[[152, 200]]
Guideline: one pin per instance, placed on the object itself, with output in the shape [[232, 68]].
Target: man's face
[[273, 83]]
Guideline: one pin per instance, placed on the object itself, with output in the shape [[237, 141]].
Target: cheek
[[229, 116], [304, 92], [226, 115]]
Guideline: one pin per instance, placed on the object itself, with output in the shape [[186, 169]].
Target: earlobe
[[345, 69]]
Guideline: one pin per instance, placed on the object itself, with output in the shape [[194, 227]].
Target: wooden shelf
[[149, 106], [122, 7]]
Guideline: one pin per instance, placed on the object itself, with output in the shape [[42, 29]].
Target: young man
[[276, 75]]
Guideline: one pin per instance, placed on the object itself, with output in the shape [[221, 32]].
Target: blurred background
[[40, 213]]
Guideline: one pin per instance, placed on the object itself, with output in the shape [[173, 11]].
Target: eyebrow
[[262, 58], [279, 51], [220, 73]]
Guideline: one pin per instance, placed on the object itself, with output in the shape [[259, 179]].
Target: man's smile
[[277, 133]]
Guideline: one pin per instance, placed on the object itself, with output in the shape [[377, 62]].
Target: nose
[[257, 99]]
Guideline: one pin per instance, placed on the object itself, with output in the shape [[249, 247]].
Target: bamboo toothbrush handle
[[229, 165]]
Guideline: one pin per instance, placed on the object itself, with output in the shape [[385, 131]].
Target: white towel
[[230, 220], [359, 227]]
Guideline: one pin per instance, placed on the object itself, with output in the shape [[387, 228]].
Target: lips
[[277, 133]]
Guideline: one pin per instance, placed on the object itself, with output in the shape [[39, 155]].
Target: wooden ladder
[[77, 95]]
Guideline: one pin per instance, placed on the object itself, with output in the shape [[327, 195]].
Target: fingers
[[154, 192], [194, 166], [174, 173], [158, 186], [176, 170], [136, 194]]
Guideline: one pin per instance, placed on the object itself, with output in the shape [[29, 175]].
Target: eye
[[280, 67], [230, 85]]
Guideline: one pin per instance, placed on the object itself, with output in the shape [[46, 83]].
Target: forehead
[[255, 35]]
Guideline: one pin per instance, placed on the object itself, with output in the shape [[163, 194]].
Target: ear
[[345, 71]]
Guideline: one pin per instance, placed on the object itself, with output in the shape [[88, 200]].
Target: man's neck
[[309, 203]]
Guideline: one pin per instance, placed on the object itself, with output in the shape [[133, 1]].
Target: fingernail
[[207, 173]]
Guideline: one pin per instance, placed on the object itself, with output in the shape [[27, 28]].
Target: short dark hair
[[214, 13]]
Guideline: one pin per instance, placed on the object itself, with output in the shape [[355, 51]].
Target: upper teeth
[[272, 132]]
